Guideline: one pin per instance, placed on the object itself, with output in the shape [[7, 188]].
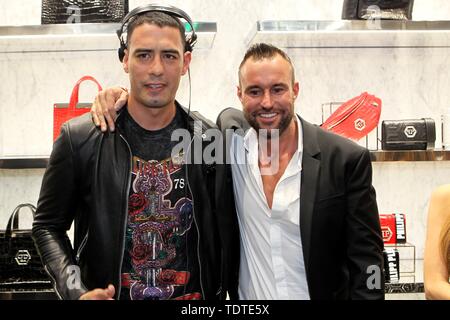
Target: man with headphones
[[145, 219]]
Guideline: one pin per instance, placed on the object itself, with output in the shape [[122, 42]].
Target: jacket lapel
[[310, 176]]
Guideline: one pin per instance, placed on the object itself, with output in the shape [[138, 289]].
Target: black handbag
[[20, 264], [377, 9], [415, 134], [83, 11]]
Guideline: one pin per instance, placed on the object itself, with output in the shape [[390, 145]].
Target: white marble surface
[[16, 187], [367, 38], [412, 83], [405, 187], [38, 80]]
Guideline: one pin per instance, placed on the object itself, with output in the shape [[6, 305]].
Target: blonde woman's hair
[[445, 242]]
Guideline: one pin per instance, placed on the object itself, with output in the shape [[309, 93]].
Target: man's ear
[[296, 90], [187, 57], [125, 61], [239, 92]]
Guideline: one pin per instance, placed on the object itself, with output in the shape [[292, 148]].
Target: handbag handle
[[14, 218], [74, 96]]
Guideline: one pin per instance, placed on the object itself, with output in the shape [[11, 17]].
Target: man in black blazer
[[340, 236], [309, 225]]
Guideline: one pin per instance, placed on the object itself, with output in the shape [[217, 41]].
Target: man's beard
[[282, 126]]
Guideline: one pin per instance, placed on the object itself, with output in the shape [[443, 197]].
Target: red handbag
[[63, 112], [355, 118]]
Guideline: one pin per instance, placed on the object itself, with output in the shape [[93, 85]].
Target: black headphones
[[169, 10]]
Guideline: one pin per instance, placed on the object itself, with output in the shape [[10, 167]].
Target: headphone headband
[[169, 10]]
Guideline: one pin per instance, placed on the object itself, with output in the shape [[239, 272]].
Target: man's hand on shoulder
[[105, 106]]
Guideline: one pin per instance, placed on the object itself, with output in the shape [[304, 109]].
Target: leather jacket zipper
[[55, 287], [80, 249], [126, 217], [195, 221]]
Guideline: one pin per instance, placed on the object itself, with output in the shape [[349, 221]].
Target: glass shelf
[[79, 37], [410, 155], [23, 162], [36, 162], [404, 287], [352, 34], [411, 270]]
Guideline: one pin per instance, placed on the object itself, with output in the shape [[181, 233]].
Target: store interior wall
[[413, 83]]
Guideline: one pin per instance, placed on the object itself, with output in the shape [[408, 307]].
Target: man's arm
[[364, 239], [54, 215], [105, 107]]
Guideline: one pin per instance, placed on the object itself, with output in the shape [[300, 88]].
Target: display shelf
[[407, 259], [410, 155], [29, 162], [352, 33], [404, 288], [410, 282], [376, 156], [79, 37]]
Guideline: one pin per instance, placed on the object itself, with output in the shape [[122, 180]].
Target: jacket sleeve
[[227, 216], [54, 216], [364, 239], [228, 231]]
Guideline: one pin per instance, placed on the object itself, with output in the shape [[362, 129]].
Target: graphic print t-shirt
[[160, 260]]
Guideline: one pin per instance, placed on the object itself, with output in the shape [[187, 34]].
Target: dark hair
[[260, 51], [157, 18]]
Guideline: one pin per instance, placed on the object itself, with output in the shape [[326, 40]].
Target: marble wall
[[412, 82]]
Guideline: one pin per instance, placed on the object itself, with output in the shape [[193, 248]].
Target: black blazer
[[339, 223]]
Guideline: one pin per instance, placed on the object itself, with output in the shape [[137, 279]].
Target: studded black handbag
[[377, 9], [83, 11], [20, 264], [414, 134]]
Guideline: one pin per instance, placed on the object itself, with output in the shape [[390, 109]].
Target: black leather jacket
[[87, 182]]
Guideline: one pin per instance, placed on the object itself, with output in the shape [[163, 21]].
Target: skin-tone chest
[[270, 181]]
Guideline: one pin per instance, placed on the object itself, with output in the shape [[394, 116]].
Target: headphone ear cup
[[188, 47], [190, 42], [121, 53]]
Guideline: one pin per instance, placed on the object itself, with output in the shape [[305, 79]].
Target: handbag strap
[[357, 103], [14, 218], [74, 96]]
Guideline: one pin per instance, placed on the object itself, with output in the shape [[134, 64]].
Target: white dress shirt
[[271, 264]]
